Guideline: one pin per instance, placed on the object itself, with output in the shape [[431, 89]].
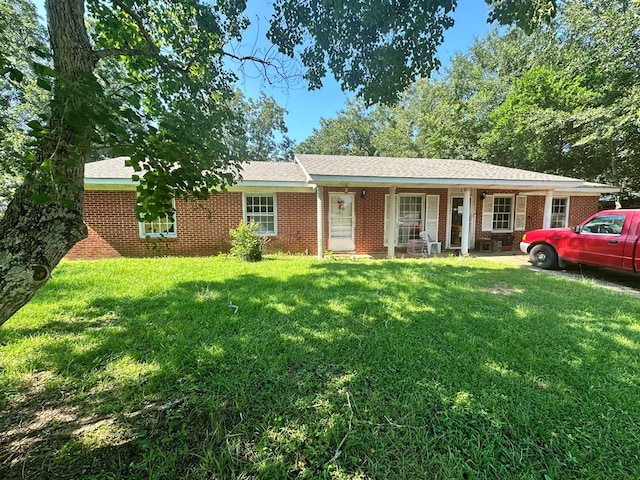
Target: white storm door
[[341, 223]]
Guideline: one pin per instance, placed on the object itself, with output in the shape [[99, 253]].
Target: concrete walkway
[[513, 257]]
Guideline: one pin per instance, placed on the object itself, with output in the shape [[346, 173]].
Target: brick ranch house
[[341, 204]]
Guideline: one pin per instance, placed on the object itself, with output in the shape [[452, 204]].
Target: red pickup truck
[[610, 239]]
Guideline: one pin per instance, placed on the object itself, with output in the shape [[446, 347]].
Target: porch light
[[363, 193], [483, 195]]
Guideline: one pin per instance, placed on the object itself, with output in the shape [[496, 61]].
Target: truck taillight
[[524, 237]]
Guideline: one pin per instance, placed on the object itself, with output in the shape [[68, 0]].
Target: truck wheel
[[543, 256]]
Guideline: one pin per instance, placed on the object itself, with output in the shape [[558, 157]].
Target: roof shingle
[[111, 168], [115, 168], [417, 168], [325, 169], [272, 172]]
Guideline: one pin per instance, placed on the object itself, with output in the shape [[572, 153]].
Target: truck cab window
[[605, 224]]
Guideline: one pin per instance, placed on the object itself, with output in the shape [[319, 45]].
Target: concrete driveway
[[610, 279]]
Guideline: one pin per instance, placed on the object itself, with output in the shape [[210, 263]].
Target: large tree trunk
[[44, 219]]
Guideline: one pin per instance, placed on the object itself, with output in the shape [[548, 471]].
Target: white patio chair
[[431, 242]]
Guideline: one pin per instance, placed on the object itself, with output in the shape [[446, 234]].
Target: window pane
[[409, 218], [559, 213], [261, 210], [502, 213], [164, 225], [605, 224]]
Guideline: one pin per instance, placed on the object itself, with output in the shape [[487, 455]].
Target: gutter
[[397, 181]]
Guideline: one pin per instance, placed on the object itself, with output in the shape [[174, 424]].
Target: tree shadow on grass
[[383, 370]]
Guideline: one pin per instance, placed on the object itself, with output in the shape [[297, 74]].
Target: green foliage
[[171, 113], [602, 40], [350, 133], [391, 369], [376, 50], [23, 95], [437, 118], [528, 15], [265, 137], [536, 120], [246, 243], [570, 112]]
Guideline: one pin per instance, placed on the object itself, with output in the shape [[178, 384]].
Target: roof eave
[[110, 181], [590, 190], [396, 181], [271, 184]]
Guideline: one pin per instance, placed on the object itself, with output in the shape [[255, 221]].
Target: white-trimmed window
[[559, 212], [163, 226], [504, 213], [410, 209], [414, 214], [261, 209]]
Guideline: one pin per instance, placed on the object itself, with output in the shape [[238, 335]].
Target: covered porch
[[452, 218], [374, 204]]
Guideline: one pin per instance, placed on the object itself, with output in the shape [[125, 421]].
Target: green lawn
[[410, 369]]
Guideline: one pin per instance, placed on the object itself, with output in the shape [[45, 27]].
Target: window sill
[[145, 237]]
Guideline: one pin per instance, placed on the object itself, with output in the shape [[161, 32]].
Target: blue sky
[[306, 108]]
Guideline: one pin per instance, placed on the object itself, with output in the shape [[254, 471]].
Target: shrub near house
[[246, 243]]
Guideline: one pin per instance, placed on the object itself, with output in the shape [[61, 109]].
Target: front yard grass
[[213, 368]]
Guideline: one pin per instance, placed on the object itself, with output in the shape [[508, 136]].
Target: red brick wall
[[580, 208], [107, 217], [296, 217], [369, 213], [203, 227]]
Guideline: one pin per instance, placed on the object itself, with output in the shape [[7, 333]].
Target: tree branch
[[263, 63], [141, 26], [127, 52], [246, 58]]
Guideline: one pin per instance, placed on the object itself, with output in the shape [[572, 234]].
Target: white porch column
[[391, 227], [320, 220], [548, 201], [466, 217]]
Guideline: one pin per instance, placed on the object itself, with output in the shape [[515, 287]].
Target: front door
[[341, 223], [455, 230], [454, 234]]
